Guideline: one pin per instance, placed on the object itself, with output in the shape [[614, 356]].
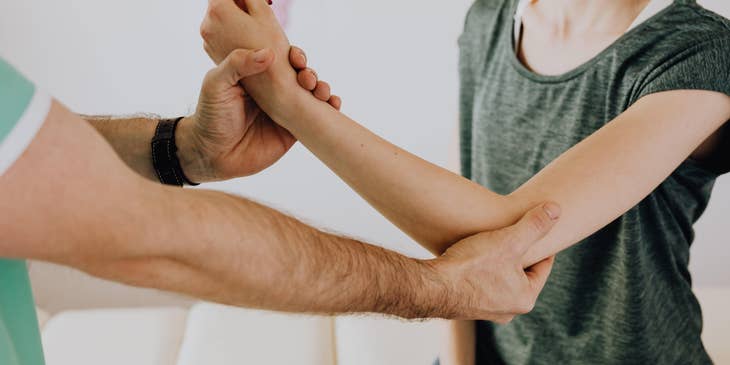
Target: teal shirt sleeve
[[23, 109], [20, 341]]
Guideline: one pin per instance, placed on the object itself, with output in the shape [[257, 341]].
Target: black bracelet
[[164, 154]]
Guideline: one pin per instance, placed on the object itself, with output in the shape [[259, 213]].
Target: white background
[[393, 62]]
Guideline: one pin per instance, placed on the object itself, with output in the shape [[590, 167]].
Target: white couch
[[215, 334], [205, 333]]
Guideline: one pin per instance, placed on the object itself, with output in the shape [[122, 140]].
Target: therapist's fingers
[[297, 58], [239, 65], [336, 102], [307, 79], [322, 91], [533, 226]]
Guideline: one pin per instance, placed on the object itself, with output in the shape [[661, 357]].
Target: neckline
[[578, 70]]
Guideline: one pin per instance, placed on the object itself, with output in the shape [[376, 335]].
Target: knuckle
[[538, 223], [205, 31], [215, 7], [239, 57], [209, 76], [515, 248]]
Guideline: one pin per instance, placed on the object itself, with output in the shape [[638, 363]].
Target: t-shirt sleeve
[[23, 109], [704, 66]]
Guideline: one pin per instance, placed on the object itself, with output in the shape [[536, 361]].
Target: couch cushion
[[378, 340], [221, 335], [114, 337]]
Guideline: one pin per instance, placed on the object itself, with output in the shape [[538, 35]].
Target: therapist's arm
[[595, 182], [70, 200]]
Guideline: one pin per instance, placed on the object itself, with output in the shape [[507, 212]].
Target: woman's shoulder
[[682, 33], [488, 10], [685, 47], [687, 23], [488, 17]]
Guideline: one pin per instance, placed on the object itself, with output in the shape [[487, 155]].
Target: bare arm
[[595, 182], [57, 206], [63, 204]]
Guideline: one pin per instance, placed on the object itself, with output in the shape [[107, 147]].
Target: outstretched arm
[[61, 203], [595, 182]]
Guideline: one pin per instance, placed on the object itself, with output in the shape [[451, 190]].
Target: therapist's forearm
[[108, 221], [233, 251], [131, 139]]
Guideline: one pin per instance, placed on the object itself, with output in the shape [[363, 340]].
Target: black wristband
[[164, 154]]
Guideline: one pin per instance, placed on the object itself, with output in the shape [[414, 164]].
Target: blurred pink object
[[281, 8]]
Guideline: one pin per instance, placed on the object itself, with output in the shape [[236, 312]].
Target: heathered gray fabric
[[622, 296]]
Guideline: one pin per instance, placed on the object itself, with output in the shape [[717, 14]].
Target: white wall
[[125, 57]]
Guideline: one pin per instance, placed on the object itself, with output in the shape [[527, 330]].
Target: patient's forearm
[[594, 182], [431, 204]]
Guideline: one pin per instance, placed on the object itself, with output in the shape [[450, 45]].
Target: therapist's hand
[[229, 136], [486, 277]]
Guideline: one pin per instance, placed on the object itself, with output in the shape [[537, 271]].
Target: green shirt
[[623, 295], [22, 111]]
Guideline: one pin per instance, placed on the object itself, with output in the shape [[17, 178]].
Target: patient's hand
[[252, 25], [227, 27]]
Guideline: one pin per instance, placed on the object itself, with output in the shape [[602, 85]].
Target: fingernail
[[552, 210], [261, 55], [270, 2]]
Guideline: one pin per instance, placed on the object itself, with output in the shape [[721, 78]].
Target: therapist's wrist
[[196, 167]]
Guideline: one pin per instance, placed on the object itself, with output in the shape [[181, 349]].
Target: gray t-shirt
[[623, 295]]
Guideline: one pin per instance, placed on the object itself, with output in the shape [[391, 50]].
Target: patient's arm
[[595, 182]]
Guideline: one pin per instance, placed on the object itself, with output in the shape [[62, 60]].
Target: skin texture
[[230, 250], [595, 182], [229, 136]]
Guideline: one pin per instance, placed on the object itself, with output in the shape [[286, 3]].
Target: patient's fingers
[[297, 58], [322, 91], [336, 102], [307, 79], [255, 7], [225, 9]]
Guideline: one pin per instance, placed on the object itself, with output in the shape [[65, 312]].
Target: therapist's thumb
[[243, 63], [533, 226]]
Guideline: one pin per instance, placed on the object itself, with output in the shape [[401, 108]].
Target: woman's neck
[[569, 18]]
